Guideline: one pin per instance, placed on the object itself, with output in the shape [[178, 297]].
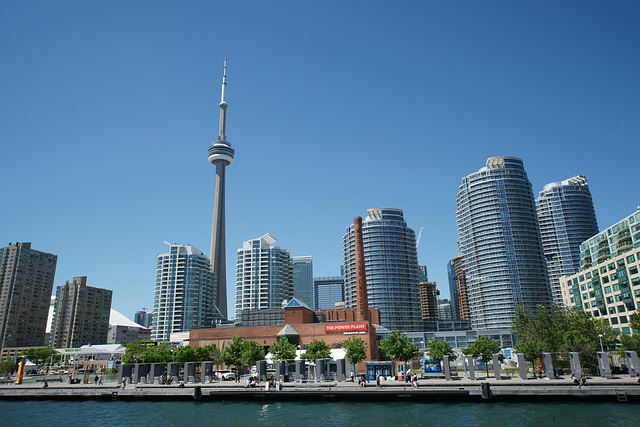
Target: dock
[[618, 389]]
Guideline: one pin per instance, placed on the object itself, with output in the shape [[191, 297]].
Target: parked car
[[226, 375]]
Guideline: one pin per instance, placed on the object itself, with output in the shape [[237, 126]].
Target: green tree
[[185, 354], [439, 349], [629, 343], [316, 349], [233, 353], [483, 348], [540, 330], [283, 350], [241, 352], [7, 366], [135, 351], [356, 350], [634, 321], [39, 355], [252, 353], [398, 347], [212, 354]]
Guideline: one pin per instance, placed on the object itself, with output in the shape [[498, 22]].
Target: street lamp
[[600, 338]]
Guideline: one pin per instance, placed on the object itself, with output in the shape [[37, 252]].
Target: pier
[[623, 389]]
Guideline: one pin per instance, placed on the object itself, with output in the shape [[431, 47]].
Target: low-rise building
[[608, 284]]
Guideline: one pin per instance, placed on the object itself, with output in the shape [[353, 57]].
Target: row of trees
[[398, 346], [239, 353], [562, 330]]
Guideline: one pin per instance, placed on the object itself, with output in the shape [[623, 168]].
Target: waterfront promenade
[[618, 389]]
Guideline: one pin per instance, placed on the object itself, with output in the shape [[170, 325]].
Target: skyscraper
[[303, 279], [328, 291], [185, 288], [221, 156], [264, 276], [143, 318], [429, 300], [81, 315], [453, 290], [391, 264], [26, 282], [567, 218], [500, 242], [458, 289]]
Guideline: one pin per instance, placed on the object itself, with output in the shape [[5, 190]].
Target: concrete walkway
[[617, 389]]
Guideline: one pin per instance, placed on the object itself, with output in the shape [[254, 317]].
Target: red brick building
[[300, 328]]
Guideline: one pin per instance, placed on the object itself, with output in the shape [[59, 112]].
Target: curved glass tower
[[391, 264], [500, 243], [567, 218]]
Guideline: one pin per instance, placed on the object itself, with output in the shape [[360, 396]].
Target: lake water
[[305, 414]]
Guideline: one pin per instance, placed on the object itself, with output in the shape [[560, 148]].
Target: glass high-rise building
[[184, 294], [500, 242], [264, 276], [391, 264], [567, 218], [328, 291], [303, 279]]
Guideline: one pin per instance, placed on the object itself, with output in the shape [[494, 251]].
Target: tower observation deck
[[220, 155]]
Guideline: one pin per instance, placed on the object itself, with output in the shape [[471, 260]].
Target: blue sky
[[107, 110]]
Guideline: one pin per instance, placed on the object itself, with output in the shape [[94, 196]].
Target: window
[[633, 270], [614, 320], [603, 269], [588, 275], [609, 300], [605, 279], [607, 289], [631, 258], [612, 266], [582, 278], [623, 319]]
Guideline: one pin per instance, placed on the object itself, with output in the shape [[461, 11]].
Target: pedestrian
[[70, 377], [540, 371], [351, 375], [95, 380], [100, 380], [378, 381], [46, 383], [124, 383], [407, 375]]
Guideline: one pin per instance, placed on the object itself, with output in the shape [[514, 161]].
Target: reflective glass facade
[[328, 291], [391, 264], [184, 294], [567, 218], [303, 279], [500, 243]]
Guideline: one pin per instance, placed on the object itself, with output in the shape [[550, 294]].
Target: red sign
[[346, 327]]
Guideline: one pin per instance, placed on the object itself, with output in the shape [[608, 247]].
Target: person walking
[[378, 381], [351, 375], [100, 380]]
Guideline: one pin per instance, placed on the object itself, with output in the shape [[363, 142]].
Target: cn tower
[[221, 156]]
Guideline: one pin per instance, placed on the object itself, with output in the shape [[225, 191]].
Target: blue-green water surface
[[100, 413]]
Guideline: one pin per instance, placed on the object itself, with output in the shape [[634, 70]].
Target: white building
[[184, 294], [264, 275]]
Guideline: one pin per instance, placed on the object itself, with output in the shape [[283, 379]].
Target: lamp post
[[600, 338]]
